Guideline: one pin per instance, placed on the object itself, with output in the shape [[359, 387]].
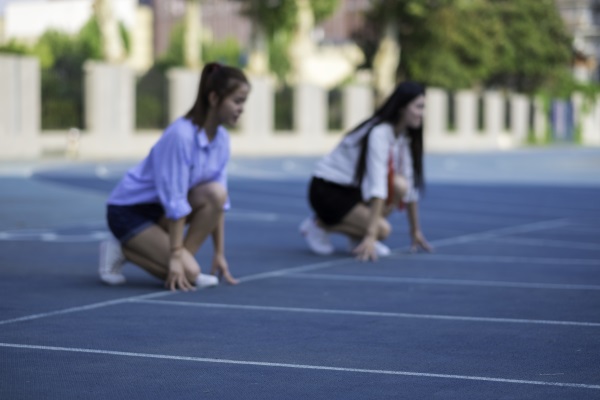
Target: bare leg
[[207, 204], [400, 189], [150, 249], [355, 224]]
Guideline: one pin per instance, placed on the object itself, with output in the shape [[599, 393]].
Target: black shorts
[[330, 201], [127, 221]]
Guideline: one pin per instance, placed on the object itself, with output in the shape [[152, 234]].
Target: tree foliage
[[278, 19], [14, 47], [518, 44], [173, 56]]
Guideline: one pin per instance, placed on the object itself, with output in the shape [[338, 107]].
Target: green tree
[[62, 57], [518, 44], [61, 60], [173, 57], [14, 47], [540, 48], [278, 19], [227, 51]]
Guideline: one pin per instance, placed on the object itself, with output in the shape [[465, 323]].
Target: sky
[[3, 4]]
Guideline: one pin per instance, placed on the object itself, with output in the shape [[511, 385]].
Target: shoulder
[[181, 130], [223, 133], [383, 130], [222, 138], [382, 135]]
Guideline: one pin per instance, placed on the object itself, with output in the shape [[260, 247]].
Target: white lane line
[[327, 264], [309, 267], [265, 275], [368, 313], [577, 228], [494, 233], [48, 235], [84, 308], [547, 243], [497, 259], [296, 366], [302, 268], [453, 282]]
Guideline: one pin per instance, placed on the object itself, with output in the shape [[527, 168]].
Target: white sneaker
[[316, 237], [381, 249], [206, 281], [111, 262]]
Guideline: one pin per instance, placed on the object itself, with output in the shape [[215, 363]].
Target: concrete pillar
[[358, 105], [540, 120], [310, 110], [19, 107], [587, 117], [466, 114], [183, 90], [493, 114], [519, 118], [258, 117], [436, 110], [109, 99]]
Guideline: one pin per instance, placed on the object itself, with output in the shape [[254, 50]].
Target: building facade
[[582, 19]]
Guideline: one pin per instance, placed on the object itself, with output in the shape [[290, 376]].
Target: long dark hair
[[389, 112], [218, 78]]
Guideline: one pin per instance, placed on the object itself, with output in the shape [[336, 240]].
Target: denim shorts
[[127, 221]]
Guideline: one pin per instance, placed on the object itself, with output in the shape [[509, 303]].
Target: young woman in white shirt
[[377, 167]]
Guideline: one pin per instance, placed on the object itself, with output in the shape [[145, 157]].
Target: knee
[[400, 186], [217, 195], [192, 275], [384, 229], [213, 194]]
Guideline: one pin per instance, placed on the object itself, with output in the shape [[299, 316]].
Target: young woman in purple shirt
[[183, 181]]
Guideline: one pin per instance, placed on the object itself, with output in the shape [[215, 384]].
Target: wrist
[[370, 236], [176, 251]]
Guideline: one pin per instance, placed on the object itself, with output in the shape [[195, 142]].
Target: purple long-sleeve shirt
[[181, 159]]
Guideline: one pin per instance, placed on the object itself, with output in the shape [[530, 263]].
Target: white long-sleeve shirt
[[339, 166]]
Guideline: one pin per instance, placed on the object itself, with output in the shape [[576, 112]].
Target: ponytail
[[220, 79]]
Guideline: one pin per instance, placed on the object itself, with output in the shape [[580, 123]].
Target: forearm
[[376, 206], [412, 212], [218, 236], [176, 228]]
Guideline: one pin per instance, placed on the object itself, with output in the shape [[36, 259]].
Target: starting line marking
[[453, 282], [297, 366], [367, 313]]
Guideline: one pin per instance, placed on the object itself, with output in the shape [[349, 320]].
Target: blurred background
[[94, 79]]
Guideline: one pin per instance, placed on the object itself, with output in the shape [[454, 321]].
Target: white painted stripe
[[53, 237], [296, 366], [548, 243], [436, 215], [536, 226], [84, 308], [497, 259], [302, 268], [368, 313], [309, 267], [452, 282], [583, 229], [252, 216]]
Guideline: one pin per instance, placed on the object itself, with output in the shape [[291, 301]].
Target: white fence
[[472, 121]]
